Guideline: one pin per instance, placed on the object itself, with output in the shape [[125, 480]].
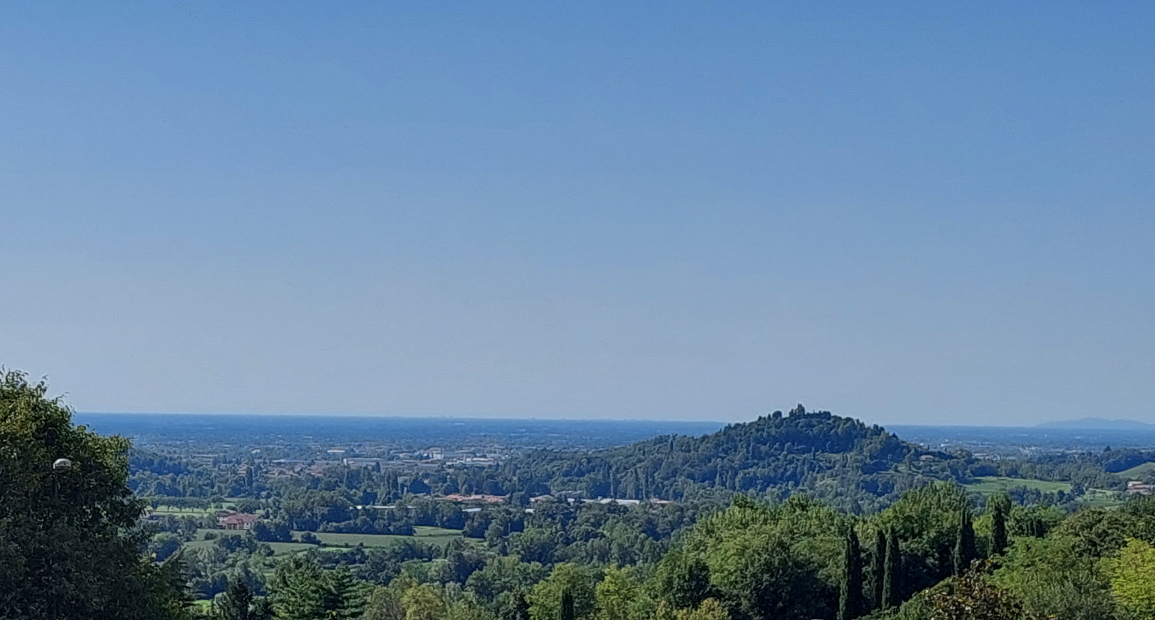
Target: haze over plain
[[899, 212]]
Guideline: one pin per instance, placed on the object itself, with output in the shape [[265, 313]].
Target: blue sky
[[905, 212]]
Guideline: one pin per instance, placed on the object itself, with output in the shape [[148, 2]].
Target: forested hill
[[839, 459]]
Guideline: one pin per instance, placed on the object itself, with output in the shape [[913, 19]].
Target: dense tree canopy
[[69, 541], [790, 517]]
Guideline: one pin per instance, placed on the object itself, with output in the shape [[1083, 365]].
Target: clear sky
[[922, 212]]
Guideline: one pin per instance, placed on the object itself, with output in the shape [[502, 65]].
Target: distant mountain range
[[1100, 424]]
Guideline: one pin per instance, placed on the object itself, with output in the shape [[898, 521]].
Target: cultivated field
[[433, 535], [429, 535], [1100, 498], [995, 484]]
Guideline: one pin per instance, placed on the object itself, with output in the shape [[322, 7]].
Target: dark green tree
[[1000, 507], [514, 607], [69, 545], [683, 579], [567, 606], [850, 600], [234, 603], [301, 590], [261, 609], [965, 551], [892, 573], [878, 566], [346, 597]]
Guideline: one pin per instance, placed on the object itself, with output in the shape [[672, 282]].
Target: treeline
[[71, 536], [856, 467], [851, 466], [933, 554]]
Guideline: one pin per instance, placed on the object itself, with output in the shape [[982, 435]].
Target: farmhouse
[[1138, 487], [237, 521]]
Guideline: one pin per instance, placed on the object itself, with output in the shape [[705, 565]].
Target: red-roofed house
[[238, 521]]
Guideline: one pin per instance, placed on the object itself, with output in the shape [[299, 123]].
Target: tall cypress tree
[[892, 574], [878, 566], [850, 602], [964, 546], [999, 507], [567, 606]]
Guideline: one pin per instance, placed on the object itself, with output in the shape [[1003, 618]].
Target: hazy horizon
[[905, 213], [593, 418]]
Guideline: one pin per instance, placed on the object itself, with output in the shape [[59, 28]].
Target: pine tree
[[301, 589], [892, 575], [999, 506], [878, 565], [850, 602], [964, 546], [347, 595], [234, 603]]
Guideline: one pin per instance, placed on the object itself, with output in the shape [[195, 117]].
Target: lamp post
[[59, 466]]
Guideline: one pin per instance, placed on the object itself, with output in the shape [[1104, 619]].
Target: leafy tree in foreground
[[515, 607], [69, 545], [683, 579], [926, 520], [620, 596], [1132, 574], [972, 597], [710, 609], [567, 584], [1053, 578], [423, 603]]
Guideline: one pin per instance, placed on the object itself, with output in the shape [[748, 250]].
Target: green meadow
[[987, 485], [433, 535], [1137, 472]]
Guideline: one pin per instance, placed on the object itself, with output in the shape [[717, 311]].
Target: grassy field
[[330, 540], [181, 512], [175, 511], [1099, 498], [434, 535], [1137, 472], [279, 548], [199, 543], [992, 484], [285, 548]]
